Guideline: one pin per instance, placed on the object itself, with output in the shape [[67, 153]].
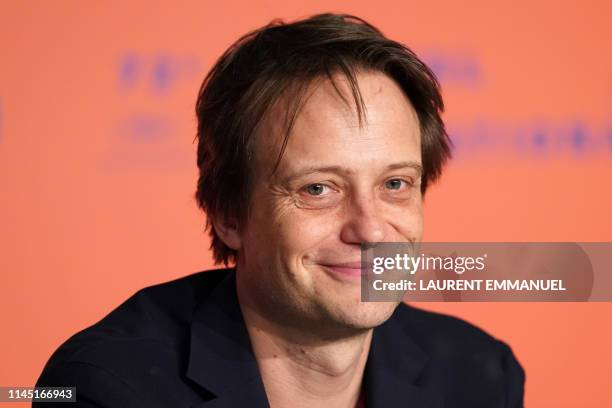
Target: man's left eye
[[396, 184]]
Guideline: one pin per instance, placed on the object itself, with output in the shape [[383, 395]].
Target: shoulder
[[135, 344]]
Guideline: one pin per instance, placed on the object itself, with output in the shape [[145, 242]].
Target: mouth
[[351, 270]]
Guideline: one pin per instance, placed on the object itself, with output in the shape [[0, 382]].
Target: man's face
[[338, 185]]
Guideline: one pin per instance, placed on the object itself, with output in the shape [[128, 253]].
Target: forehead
[[327, 125]]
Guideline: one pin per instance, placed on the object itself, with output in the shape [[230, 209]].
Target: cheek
[[279, 229], [407, 222], [305, 230]]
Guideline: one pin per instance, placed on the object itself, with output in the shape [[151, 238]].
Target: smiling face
[[338, 185]]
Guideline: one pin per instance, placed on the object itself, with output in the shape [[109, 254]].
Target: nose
[[363, 223]]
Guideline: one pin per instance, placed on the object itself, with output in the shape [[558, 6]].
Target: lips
[[346, 269]]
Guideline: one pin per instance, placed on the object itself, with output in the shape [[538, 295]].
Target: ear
[[227, 230]]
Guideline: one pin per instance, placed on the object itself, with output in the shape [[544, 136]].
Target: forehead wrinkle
[[337, 89]]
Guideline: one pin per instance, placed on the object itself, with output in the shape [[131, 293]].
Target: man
[[314, 138]]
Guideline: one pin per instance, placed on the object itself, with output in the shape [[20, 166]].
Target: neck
[[300, 368]]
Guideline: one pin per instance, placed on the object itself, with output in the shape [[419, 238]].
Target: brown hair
[[268, 62]]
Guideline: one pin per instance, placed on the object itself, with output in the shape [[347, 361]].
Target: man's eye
[[396, 184], [316, 189]]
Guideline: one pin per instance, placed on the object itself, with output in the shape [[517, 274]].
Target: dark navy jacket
[[184, 344]]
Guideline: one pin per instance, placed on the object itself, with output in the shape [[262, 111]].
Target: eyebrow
[[305, 171]]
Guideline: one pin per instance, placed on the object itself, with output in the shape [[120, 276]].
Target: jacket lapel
[[393, 367], [221, 358]]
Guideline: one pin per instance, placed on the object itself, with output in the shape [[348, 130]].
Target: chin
[[367, 315]]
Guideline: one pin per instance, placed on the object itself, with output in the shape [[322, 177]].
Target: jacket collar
[[221, 359], [394, 365]]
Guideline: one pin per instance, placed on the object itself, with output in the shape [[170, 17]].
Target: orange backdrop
[[98, 171]]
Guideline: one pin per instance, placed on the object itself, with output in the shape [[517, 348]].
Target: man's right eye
[[316, 189], [318, 196]]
